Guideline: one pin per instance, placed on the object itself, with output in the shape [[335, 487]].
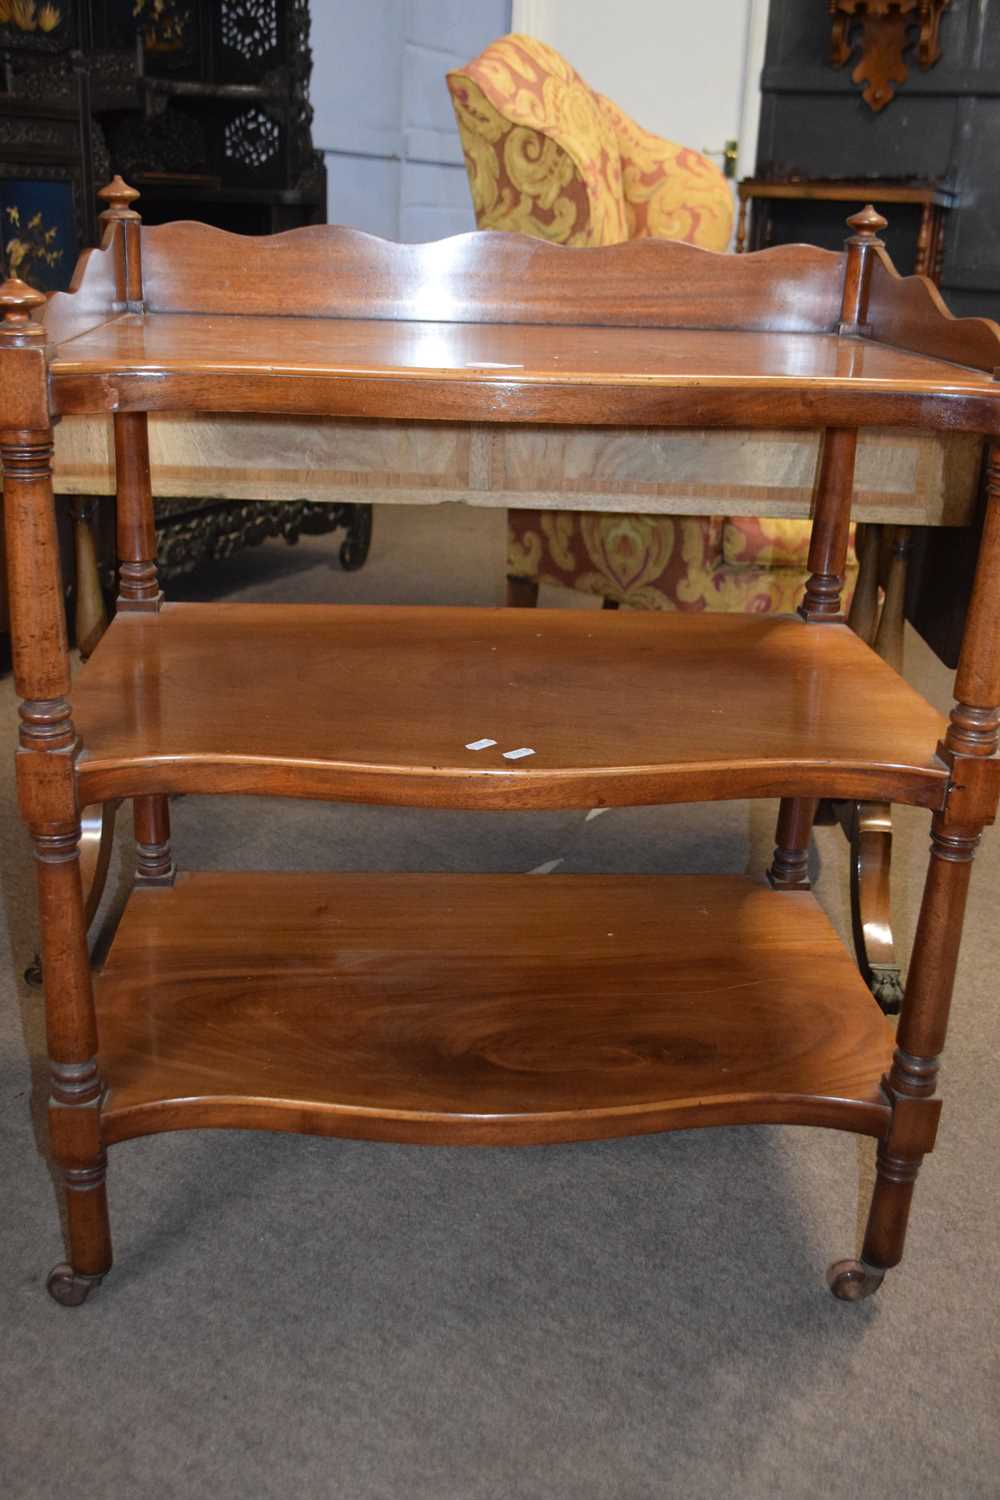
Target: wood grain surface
[[848, 192], [89, 299], [911, 478], [487, 277], [501, 372], [483, 1009], [909, 312], [378, 704]]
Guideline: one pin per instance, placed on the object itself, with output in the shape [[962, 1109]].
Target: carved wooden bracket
[[886, 27]]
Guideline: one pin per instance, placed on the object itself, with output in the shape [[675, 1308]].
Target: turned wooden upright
[[46, 783], [971, 739], [48, 744], [138, 586], [829, 539]]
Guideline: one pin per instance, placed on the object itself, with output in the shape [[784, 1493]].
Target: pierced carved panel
[[252, 139], [250, 27], [884, 30]]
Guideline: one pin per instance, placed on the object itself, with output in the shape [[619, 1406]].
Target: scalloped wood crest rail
[[518, 1018]]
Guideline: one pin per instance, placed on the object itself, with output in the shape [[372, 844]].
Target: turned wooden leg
[[522, 593], [938, 267], [790, 864], [138, 586], [913, 1076], [923, 264], [741, 228], [76, 1088], [154, 864], [831, 525], [828, 543], [139, 591], [969, 750], [46, 786]]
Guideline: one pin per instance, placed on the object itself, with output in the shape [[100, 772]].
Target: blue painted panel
[[363, 191], [382, 113], [461, 26], [357, 80], [434, 201], [426, 102]]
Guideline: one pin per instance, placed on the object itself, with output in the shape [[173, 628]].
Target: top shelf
[[501, 327], [493, 372]]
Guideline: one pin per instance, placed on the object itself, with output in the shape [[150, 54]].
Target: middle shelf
[[381, 703]]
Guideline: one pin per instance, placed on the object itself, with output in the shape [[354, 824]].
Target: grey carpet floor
[[647, 1318]]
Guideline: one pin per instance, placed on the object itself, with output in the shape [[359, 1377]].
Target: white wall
[[678, 67]]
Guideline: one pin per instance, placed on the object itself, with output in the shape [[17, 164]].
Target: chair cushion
[[751, 541], [650, 562], [655, 562]]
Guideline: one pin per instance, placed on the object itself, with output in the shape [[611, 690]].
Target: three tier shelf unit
[[483, 1009]]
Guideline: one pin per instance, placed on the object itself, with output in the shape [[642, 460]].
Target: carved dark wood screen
[[224, 121], [943, 124]]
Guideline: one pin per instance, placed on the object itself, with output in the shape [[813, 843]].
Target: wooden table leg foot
[[853, 1280], [68, 1287], [789, 870]]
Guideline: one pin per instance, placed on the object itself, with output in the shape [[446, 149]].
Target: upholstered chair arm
[[542, 156]]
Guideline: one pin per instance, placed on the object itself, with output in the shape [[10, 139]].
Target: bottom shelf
[[462, 1010]]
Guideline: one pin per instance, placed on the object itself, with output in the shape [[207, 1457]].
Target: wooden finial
[[118, 196], [866, 225], [126, 238], [18, 302]]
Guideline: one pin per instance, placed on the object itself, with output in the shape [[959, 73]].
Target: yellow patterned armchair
[[549, 156]]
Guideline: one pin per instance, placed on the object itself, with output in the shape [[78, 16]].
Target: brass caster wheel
[[853, 1280], [68, 1287]]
